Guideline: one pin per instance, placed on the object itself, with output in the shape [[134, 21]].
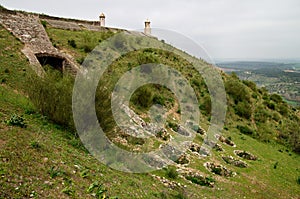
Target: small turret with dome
[[102, 19], [147, 29]]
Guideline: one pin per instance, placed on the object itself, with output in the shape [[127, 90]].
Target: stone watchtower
[[102, 20], [147, 29]]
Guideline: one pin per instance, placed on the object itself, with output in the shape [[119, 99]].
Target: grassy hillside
[[40, 158], [267, 117]]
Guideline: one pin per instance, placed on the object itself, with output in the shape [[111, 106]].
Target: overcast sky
[[242, 29]]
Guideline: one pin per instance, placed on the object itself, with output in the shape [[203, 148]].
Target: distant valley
[[281, 78]]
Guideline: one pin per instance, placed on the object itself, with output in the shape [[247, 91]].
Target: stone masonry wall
[[28, 29]]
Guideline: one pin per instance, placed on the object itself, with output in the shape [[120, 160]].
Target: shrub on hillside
[[172, 173], [270, 104], [283, 109], [245, 130], [158, 99], [261, 114], [16, 120], [97, 189], [72, 43], [276, 116], [250, 84], [44, 23], [143, 97], [237, 91], [243, 109], [52, 95], [205, 106], [276, 98], [173, 126], [293, 135], [234, 76], [263, 91], [202, 181], [146, 58]]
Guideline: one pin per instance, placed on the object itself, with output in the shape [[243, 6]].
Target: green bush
[[276, 116], [205, 106], [237, 91], [275, 165], [44, 23], [250, 84], [245, 130], [171, 172], [80, 60], [98, 189], [87, 48], [173, 126], [207, 181], [269, 104], [146, 58], [16, 120], [243, 109], [276, 98], [158, 99], [72, 43], [35, 145], [283, 109], [55, 172], [263, 91], [181, 194], [217, 170], [261, 114], [68, 191], [52, 96], [143, 97], [234, 76]]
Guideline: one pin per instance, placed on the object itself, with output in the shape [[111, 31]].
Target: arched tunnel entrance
[[52, 60]]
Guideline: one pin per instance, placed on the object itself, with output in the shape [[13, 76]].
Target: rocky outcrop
[[201, 131], [137, 127], [214, 145], [225, 140], [184, 159], [219, 169], [194, 176], [245, 155], [167, 183], [235, 162], [163, 134], [197, 149]]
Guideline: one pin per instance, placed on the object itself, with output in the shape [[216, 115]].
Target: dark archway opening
[[55, 62]]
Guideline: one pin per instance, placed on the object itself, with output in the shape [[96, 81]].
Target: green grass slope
[[41, 159]]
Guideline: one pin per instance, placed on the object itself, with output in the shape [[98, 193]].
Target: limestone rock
[[163, 134], [194, 176], [226, 140], [183, 159], [219, 169], [235, 162], [245, 155], [166, 182], [201, 131], [195, 148]]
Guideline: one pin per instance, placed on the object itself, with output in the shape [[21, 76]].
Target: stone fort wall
[[28, 29]]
